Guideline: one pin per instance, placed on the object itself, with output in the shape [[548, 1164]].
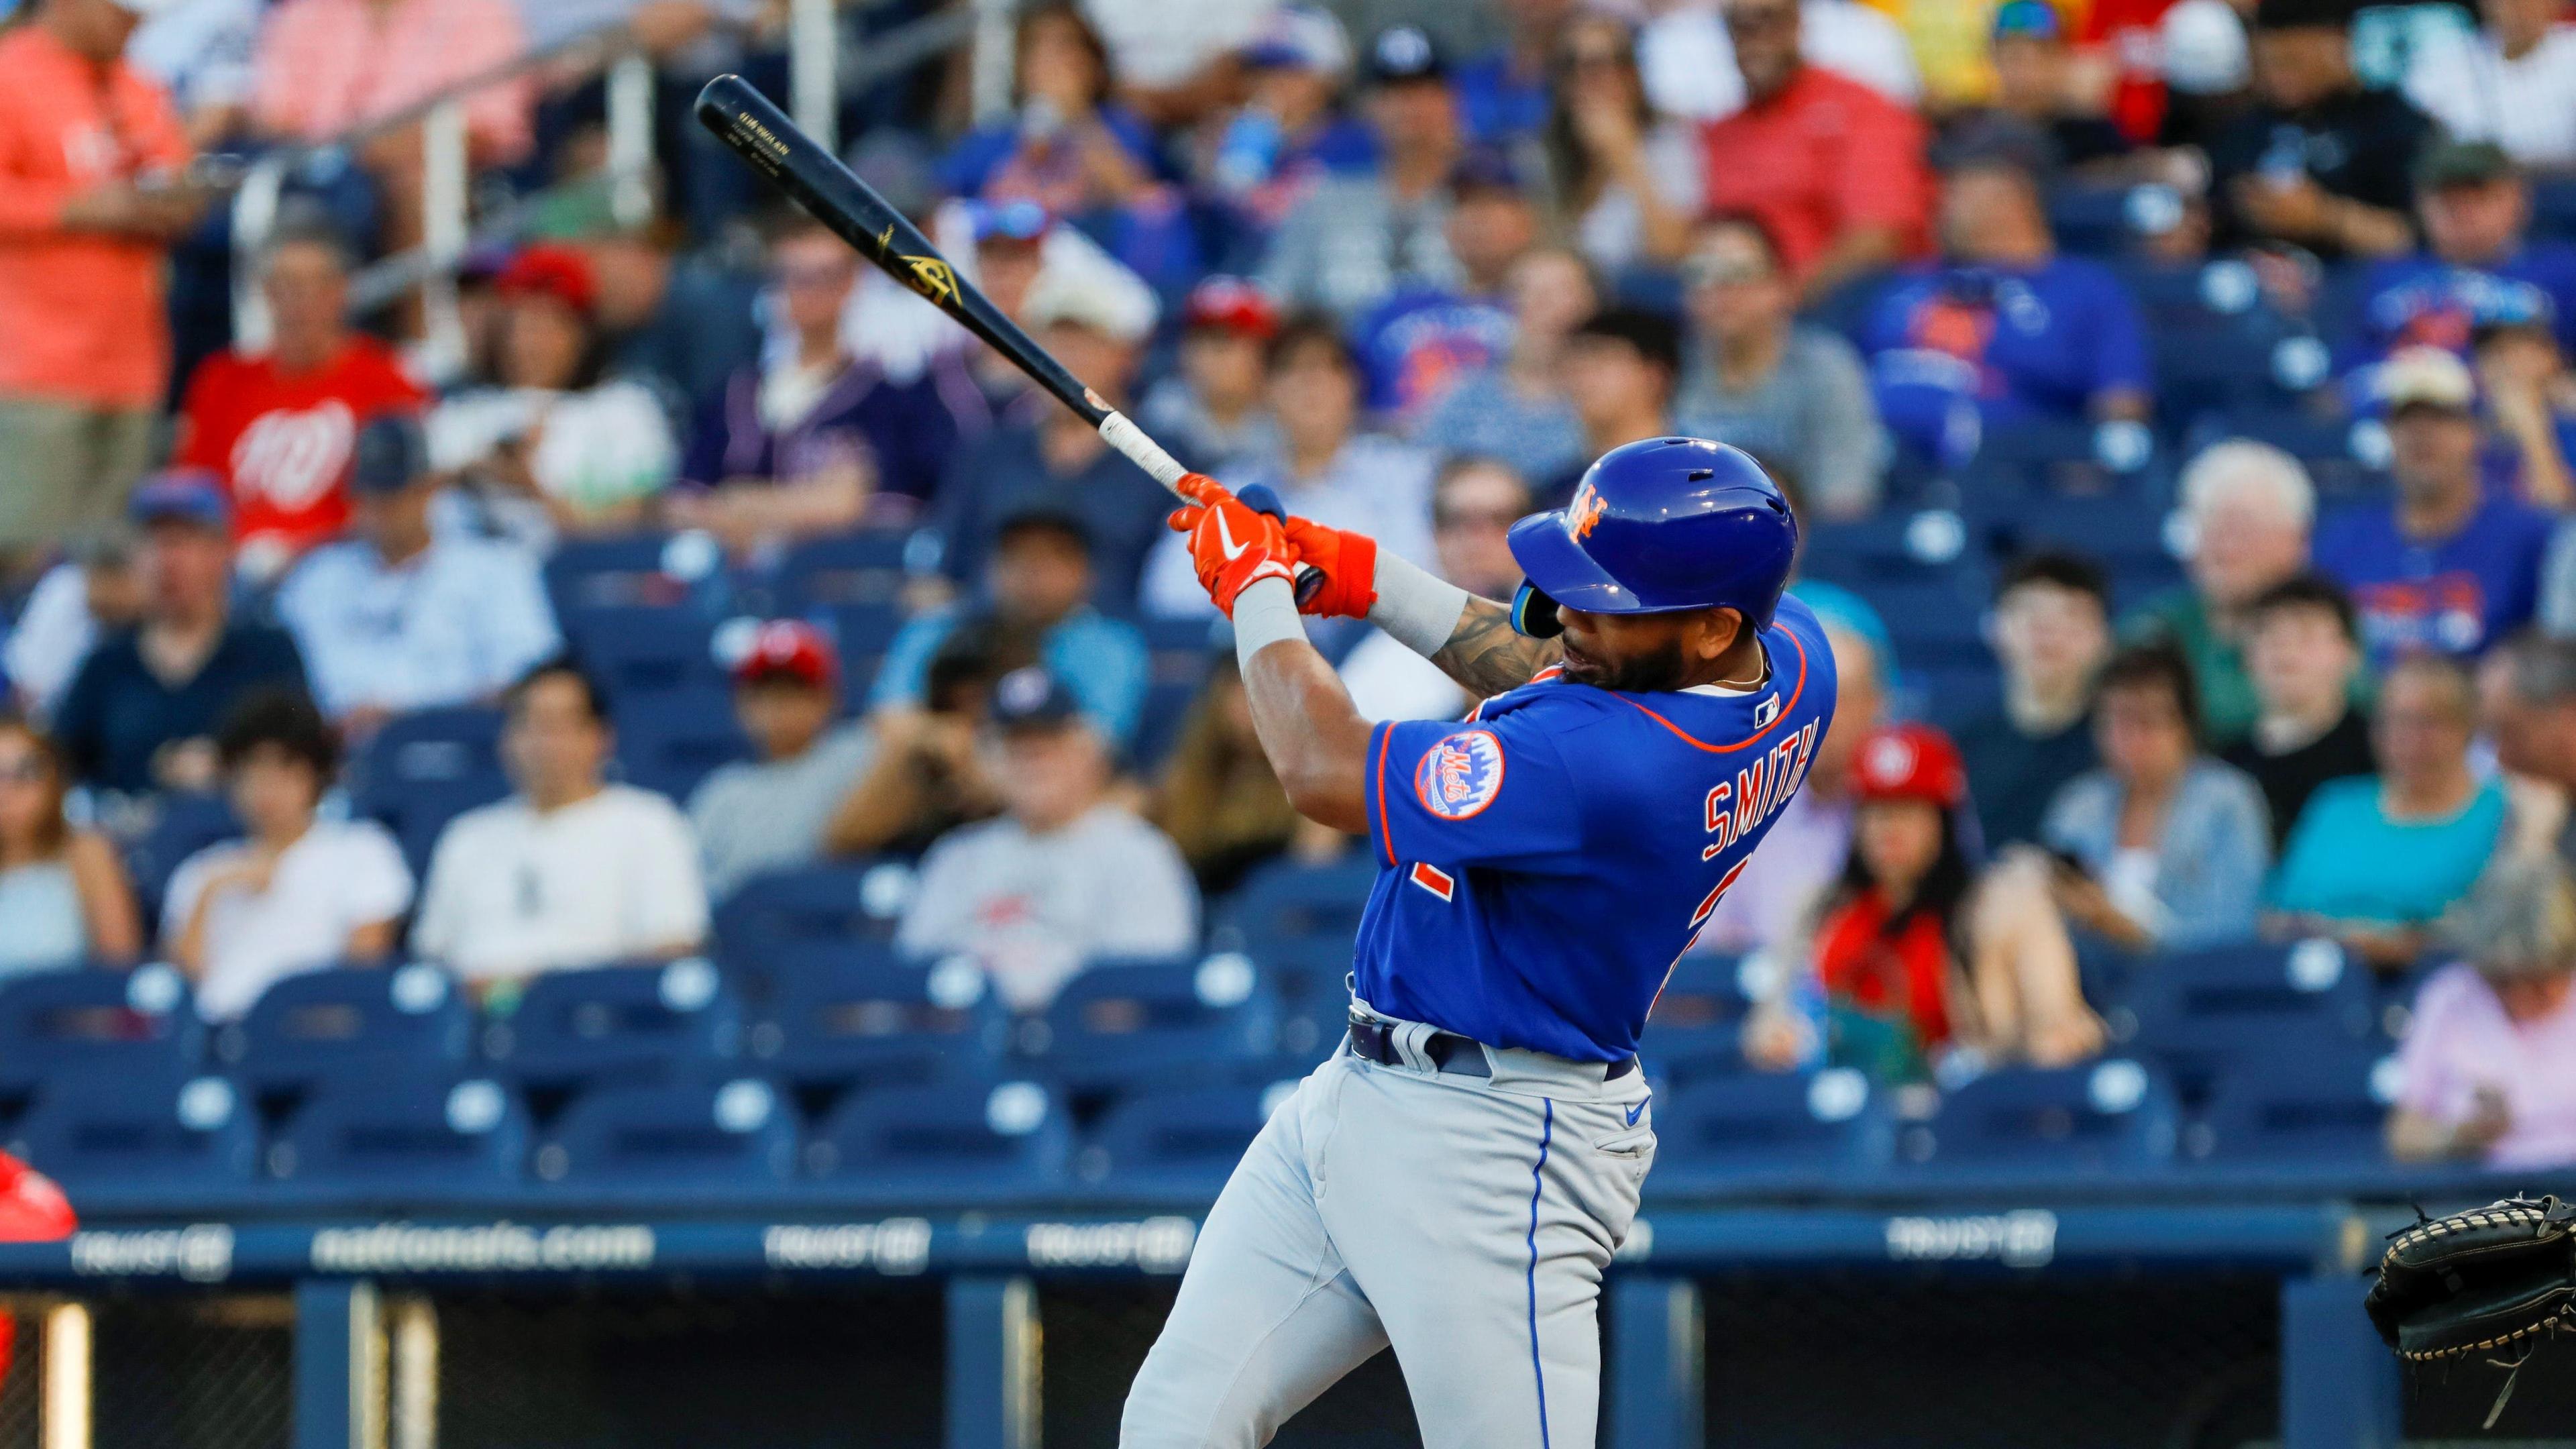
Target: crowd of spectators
[[1410, 277]]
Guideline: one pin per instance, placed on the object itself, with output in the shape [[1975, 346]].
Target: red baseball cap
[[1233, 304], [789, 649], [550, 269], [1910, 762]]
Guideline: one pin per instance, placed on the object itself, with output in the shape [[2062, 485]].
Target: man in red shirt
[[278, 425], [1831, 168], [91, 194]]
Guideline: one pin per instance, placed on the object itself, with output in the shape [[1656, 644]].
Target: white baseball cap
[[2425, 377]]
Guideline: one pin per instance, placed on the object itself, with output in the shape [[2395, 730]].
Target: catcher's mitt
[[2496, 1279]]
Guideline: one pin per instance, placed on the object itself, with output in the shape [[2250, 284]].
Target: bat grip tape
[[1141, 450]]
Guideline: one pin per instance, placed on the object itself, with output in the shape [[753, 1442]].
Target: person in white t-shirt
[[299, 894], [569, 872], [1473, 505], [1066, 876], [2513, 83]]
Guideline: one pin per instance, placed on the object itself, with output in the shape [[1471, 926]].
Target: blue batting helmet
[[1657, 527]]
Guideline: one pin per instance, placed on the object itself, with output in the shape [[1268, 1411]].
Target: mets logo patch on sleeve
[[1460, 775]]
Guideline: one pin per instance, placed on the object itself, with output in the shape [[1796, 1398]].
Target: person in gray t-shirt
[[771, 814]]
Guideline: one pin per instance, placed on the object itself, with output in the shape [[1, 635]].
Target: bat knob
[[1261, 498]]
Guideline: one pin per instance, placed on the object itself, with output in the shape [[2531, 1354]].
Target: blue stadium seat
[[2316, 1100], [1697, 1026], [184, 825], [1176, 1142], [2115, 1116], [420, 814], [637, 570], [865, 568], [861, 635], [139, 1023], [639, 653], [347, 1022], [841, 901], [1912, 543], [946, 1143], [670, 742], [160, 1135], [851, 1014], [431, 747], [617, 1024], [1767, 1128], [406, 1135], [1934, 622], [1288, 902], [1143, 1023], [2090, 220], [2198, 1012], [733, 1135]]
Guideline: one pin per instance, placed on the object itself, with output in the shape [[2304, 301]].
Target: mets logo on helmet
[[1460, 774], [1585, 511]]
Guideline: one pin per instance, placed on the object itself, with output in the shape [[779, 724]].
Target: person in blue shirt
[[2449, 564], [1290, 130], [1424, 339], [2002, 329], [2478, 268], [1503, 93]]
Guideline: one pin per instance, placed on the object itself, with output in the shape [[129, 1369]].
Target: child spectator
[[2488, 1070], [141, 713], [2478, 266], [1066, 876], [570, 871], [2320, 161], [405, 616], [1514, 408], [2051, 634], [1427, 334], [928, 773], [300, 893], [2247, 508], [2163, 846], [2531, 416], [278, 425], [771, 814], [2303, 652], [98, 592], [2374, 862], [1214, 408], [1473, 508], [1625, 183], [64, 898], [1218, 799], [1620, 367]]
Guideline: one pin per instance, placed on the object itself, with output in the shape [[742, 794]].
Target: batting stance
[[1456, 1178]]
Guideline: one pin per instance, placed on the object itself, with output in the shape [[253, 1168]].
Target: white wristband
[[1265, 613], [1415, 609]]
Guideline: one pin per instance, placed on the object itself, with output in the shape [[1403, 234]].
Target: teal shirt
[[2347, 861]]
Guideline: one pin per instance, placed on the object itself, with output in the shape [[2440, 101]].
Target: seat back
[[1120, 1023], [1757, 1121], [142, 1129], [617, 1024], [670, 742], [181, 826], [2324, 1097], [967, 1138], [2199, 1011], [2106, 1116], [851, 1014], [645, 653], [837, 902], [1191, 1134], [739, 1133], [412, 1017], [1697, 1026], [416, 1132], [1290, 901], [138, 1022]]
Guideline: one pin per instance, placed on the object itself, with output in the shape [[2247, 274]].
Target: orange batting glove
[[1231, 545], [1348, 562]]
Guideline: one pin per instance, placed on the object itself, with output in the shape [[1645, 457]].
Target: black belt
[[1446, 1050]]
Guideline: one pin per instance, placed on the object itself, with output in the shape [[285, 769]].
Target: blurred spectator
[[1620, 367], [1918, 952], [2247, 508], [1514, 408], [814, 441], [2527, 696], [570, 871], [2320, 161], [1326, 469], [1811, 837], [1833, 169], [2051, 633], [1218, 799], [2448, 564], [1625, 182], [1170, 56], [2514, 84], [64, 898], [96, 593], [2303, 653], [2478, 267], [1794, 394], [1504, 93], [2375, 862], [772, 813], [1690, 68], [2487, 1073], [2037, 119], [141, 713], [404, 616], [1359, 234], [2004, 324], [1213, 410], [277, 425], [1066, 876], [90, 198], [298, 894], [683, 324], [557, 444], [1036, 609], [1290, 130], [201, 52], [1473, 505], [928, 773], [2163, 846], [2531, 413], [1041, 457], [1425, 336], [1074, 151]]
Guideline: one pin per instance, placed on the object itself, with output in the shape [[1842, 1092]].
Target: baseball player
[[1456, 1178]]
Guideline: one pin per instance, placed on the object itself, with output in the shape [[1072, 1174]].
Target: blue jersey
[[1543, 862]]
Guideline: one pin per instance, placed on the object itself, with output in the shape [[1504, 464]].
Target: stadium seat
[[349, 1022], [2316, 1100], [1895, 544], [2108, 1117], [848, 1014], [2090, 220], [841, 901], [1697, 1027], [405, 1135], [732, 1135], [1143, 1023], [422, 813], [1768, 1129], [112, 1135], [184, 825], [139, 1023], [865, 569], [1177, 1143], [1289, 902], [614, 1024], [2199, 1012], [947, 1143], [2123, 530], [638, 570], [670, 742], [431, 747], [640, 653], [1932, 622]]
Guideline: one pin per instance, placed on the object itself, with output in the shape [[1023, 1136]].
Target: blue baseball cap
[[2033, 19], [1022, 220], [1030, 698], [181, 495], [390, 454], [1405, 53]]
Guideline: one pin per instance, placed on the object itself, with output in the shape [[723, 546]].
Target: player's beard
[[1659, 672]]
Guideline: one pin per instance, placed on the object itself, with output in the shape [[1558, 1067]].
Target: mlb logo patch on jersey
[[1460, 774]]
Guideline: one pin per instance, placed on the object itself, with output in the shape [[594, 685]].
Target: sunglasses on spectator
[[1724, 271]]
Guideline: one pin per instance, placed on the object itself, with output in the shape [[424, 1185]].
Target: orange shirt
[[328, 65], [81, 316], [1822, 156]]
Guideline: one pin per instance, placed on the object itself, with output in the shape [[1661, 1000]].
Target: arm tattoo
[[1486, 657]]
